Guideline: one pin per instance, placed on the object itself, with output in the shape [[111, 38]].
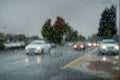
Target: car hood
[[34, 46], [110, 45]]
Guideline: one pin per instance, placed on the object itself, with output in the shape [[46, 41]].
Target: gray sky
[[28, 16]]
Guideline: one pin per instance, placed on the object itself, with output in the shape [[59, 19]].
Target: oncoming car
[[79, 46], [38, 47], [108, 47]]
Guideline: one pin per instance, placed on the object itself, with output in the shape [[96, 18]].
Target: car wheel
[[27, 53], [99, 52], [49, 50], [42, 51], [116, 53]]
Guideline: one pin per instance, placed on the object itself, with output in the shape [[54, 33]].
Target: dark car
[[79, 46]]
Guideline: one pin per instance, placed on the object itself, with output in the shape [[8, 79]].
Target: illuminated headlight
[[104, 47], [89, 44], [81, 46], [94, 44], [117, 47], [38, 48], [26, 48], [98, 44], [74, 46]]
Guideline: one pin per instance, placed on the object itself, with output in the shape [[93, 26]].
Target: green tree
[[54, 33], [46, 29], [2, 37], [107, 26], [72, 35], [22, 37], [35, 37], [61, 28], [81, 38]]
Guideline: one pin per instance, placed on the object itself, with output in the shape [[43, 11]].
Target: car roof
[[108, 40], [35, 41], [79, 42]]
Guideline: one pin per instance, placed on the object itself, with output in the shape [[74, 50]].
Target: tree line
[[107, 25], [59, 31]]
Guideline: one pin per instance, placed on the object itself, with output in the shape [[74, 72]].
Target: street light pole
[[119, 30], [119, 22]]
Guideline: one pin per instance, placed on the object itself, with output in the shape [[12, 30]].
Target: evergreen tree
[[46, 30], [81, 38], [72, 35], [107, 25], [54, 33]]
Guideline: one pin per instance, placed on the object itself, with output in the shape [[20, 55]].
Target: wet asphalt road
[[16, 65]]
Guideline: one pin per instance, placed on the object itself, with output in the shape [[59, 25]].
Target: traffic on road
[[61, 63], [60, 40]]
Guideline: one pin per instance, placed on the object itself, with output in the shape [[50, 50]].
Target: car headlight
[[89, 44], [117, 47], [81, 46], [26, 48], [94, 44], [75, 46], [104, 47], [38, 48], [98, 44]]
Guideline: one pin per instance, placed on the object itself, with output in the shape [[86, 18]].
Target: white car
[[19, 43], [38, 47], [8, 45], [108, 47], [14, 44]]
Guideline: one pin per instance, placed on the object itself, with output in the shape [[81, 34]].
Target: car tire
[[116, 54], [27, 53], [99, 54], [49, 50], [42, 51]]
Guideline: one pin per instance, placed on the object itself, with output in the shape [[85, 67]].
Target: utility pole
[[119, 23]]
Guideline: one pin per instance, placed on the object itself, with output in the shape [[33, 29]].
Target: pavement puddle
[[81, 63]]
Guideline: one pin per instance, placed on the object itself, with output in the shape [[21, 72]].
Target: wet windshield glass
[[59, 39], [109, 42]]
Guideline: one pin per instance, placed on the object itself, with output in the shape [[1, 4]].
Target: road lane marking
[[78, 59]]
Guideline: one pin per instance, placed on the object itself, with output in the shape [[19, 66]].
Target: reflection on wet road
[[16, 65], [37, 59]]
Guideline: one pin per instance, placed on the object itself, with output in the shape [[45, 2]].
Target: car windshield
[[38, 43], [59, 39], [109, 42]]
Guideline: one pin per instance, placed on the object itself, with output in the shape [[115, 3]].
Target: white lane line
[[78, 59]]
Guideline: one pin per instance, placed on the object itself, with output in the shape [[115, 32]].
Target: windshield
[[109, 42], [59, 39], [38, 42]]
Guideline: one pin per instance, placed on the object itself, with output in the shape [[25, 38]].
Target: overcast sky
[[28, 16]]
